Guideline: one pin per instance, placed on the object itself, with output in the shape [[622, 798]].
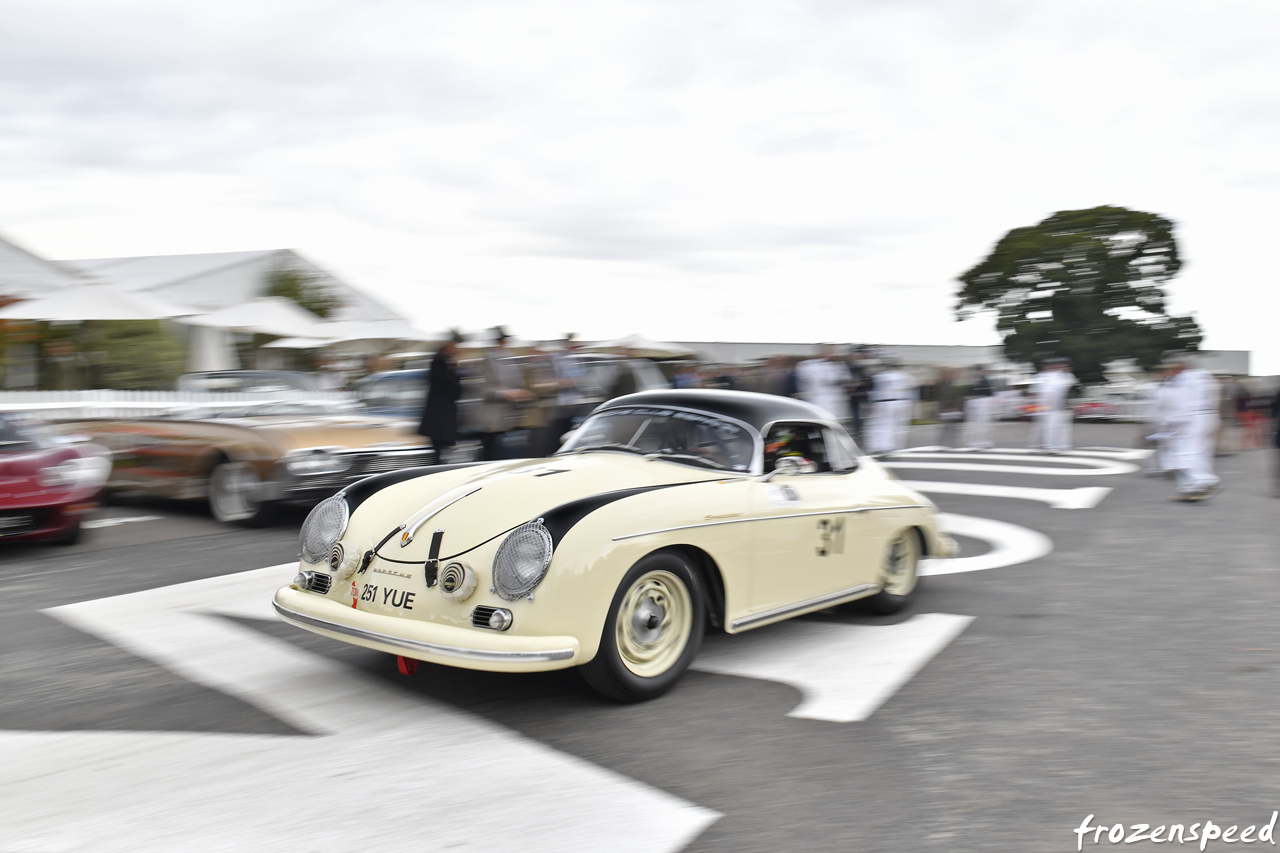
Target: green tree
[[1086, 285], [133, 355], [302, 287]]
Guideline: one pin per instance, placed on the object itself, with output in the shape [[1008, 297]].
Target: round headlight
[[521, 561], [323, 528]]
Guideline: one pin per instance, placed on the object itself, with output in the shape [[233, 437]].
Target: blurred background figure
[[1255, 408], [687, 376], [1193, 420], [540, 416], [503, 397], [950, 398], [777, 378], [1158, 425], [893, 398], [625, 381], [1233, 400], [444, 389], [858, 391], [822, 382], [1053, 386], [979, 404], [569, 379], [1275, 440]]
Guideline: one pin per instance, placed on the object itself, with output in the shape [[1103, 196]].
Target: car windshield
[[19, 432], [695, 438]]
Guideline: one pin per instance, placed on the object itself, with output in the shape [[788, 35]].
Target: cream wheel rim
[[900, 564], [235, 491], [654, 623]]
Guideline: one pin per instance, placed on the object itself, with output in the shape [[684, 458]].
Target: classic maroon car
[[47, 482]]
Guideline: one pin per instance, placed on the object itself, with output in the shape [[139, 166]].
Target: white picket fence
[[91, 405]]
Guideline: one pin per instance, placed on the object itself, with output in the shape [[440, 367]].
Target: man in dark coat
[[444, 388]]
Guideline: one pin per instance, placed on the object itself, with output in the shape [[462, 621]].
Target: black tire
[[71, 535], [623, 673], [899, 575], [235, 494]]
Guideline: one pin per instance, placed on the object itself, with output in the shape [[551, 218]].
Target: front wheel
[[898, 574], [652, 632], [235, 493]]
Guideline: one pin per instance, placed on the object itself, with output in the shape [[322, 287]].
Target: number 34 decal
[[830, 536]]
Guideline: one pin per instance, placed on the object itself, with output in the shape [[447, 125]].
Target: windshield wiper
[[630, 448], [690, 457]]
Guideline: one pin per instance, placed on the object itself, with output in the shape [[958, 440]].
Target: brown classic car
[[249, 457]]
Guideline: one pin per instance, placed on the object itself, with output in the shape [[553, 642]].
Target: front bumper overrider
[[450, 645]]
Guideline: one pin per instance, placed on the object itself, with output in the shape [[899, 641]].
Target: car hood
[[474, 505], [351, 431]]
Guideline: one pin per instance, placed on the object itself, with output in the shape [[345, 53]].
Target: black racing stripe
[[562, 519], [361, 490]]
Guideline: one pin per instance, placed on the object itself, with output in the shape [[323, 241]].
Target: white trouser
[[888, 428], [977, 421], [1191, 452], [1055, 429]]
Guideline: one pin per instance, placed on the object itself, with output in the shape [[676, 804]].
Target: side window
[[803, 440], [842, 451]]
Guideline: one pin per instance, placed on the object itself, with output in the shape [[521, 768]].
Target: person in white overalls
[[893, 396], [1053, 384], [1159, 405], [978, 406], [824, 381], [1193, 423]]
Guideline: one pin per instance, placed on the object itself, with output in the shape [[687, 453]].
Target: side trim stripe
[[851, 511], [832, 598]]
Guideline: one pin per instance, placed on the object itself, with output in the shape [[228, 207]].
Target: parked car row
[[245, 458]]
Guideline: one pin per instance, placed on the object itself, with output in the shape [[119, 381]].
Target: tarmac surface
[[1129, 673]]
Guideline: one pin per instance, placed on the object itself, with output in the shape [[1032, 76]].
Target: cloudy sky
[[689, 170]]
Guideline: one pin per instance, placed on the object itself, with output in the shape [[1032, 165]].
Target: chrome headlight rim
[[522, 560], [324, 527]]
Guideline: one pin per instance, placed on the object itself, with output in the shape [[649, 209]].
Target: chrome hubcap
[[654, 623]]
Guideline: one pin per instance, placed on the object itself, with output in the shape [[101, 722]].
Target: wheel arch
[[711, 576]]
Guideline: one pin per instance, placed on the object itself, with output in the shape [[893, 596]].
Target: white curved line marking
[[1010, 545], [1085, 497], [1133, 454], [1096, 467]]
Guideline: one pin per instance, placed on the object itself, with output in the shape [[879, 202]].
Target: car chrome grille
[[378, 463], [480, 616], [13, 522], [320, 582]]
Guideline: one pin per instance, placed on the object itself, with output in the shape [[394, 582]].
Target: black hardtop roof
[[758, 410]]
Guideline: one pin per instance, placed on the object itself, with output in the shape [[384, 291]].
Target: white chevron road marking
[[384, 770], [845, 672], [1085, 497]]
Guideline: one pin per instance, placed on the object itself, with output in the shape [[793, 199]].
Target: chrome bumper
[[445, 644]]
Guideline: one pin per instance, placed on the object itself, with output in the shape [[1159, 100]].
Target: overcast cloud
[[688, 170]]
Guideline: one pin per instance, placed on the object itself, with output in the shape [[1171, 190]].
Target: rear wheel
[[235, 493], [898, 574], [652, 632]]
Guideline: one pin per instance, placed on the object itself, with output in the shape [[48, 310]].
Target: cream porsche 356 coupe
[[665, 511]]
